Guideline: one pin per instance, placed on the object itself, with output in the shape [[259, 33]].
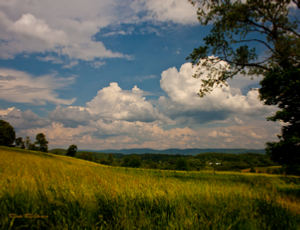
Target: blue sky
[[113, 74]]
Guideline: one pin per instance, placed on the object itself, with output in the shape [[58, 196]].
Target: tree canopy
[[18, 141], [282, 88], [42, 142], [110, 158], [238, 28], [181, 164], [230, 49], [7, 133], [72, 150]]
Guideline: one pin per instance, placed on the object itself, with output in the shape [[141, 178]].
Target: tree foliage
[[110, 158], [282, 88], [132, 161], [19, 141], [230, 49], [42, 142], [33, 147], [7, 133], [86, 156], [181, 164], [103, 161], [236, 26], [135, 162], [72, 150]]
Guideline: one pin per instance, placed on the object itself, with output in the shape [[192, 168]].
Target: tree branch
[[250, 40]]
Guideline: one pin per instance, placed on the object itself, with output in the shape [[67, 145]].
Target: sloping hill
[[50, 191]]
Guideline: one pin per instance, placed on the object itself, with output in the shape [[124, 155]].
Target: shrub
[[293, 170]]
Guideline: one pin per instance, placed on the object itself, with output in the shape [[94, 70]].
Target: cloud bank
[[117, 118]]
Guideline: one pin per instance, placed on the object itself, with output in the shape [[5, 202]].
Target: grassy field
[[45, 191], [263, 169]]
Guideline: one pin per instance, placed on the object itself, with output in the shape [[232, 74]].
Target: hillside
[[50, 191], [58, 151]]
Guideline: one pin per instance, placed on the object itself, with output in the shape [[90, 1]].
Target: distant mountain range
[[178, 151]]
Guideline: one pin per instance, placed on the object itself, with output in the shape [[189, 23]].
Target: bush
[[293, 170]]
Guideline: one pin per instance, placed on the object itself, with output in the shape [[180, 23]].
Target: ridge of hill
[[174, 151]]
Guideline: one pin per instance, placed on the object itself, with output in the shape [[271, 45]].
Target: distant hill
[[178, 151]]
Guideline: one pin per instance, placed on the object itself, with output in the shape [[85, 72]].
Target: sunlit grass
[[76, 194]]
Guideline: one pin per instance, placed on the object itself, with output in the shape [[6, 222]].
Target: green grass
[[263, 169], [66, 193]]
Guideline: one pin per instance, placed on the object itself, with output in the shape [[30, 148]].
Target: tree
[[269, 24], [282, 88], [181, 164], [110, 158], [42, 142], [19, 142], [153, 165], [126, 160], [132, 161], [103, 161], [7, 133], [32, 146], [135, 162], [72, 150], [239, 22], [22, 145], [86, 156]]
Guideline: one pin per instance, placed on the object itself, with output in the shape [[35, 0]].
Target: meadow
[[47, 191]]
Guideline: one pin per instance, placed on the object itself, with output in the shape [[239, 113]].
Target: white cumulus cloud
[[113, 102], [68, 27], [183, 101]]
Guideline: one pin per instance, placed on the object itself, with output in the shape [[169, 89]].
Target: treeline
[[203, 161], [8, 138]]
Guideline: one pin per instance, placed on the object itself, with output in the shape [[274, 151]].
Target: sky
[[113, 75]]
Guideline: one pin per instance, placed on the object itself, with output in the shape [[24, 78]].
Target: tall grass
[[59, 192]]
